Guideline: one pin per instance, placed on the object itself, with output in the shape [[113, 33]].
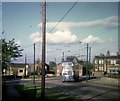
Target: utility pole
[[34, 65], [87, 63], [43, 48], [63, 57], [25, 65], [1, 69], [89, 59], [55, 67], [89, 54]]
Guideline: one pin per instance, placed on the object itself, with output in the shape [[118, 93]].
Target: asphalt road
[[82, 90]]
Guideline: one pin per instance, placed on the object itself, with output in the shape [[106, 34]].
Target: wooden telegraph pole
[[34, 65], [43, 48], [25, 65], [89, 60], [87, 64]]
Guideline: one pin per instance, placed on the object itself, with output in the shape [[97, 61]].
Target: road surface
[[81, 90]]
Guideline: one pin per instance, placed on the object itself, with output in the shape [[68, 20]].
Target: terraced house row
[[107, 63]]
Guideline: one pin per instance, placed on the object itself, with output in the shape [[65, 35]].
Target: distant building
[[17, 69], [59, 69], [108, 63], [37, 68]]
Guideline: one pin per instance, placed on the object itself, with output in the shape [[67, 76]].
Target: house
[[107, 63], [38, 68], [17, 69], [59, 69]]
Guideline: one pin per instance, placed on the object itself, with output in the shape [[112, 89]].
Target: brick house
[[108, 63]]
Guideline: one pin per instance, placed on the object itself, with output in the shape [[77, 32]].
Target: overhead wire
[[62, 19], [64, 16], [83, 11], [57, 22]]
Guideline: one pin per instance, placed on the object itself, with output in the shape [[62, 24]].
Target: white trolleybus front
[[67, 71]]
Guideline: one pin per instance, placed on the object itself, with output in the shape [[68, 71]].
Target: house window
[[100, 61], [117, 61], [108, 61], [100, 68], [95, 61], [20, 71], [113, 62]]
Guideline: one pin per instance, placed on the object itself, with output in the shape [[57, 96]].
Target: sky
[[95, 23], [60, 0]]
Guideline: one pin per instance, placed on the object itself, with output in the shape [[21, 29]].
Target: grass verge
[[32, 92]]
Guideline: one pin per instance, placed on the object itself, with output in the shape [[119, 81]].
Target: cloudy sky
[[95, 23]]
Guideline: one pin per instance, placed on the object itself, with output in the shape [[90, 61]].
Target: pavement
[[10, 93]]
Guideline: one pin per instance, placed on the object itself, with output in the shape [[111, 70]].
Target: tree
[[52, 65], [71, 58], [38, 66], [10, 50], [88, 65]]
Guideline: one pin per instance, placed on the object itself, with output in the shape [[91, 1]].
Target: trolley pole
[[43, 48]]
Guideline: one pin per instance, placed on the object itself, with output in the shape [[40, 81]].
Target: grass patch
[[110, 85], [113, 75], [32, 92]]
